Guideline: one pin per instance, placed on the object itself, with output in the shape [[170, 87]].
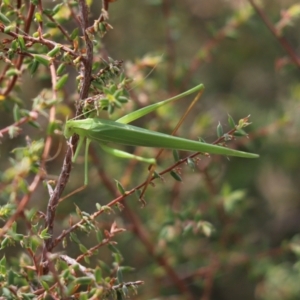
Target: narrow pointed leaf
[[219, 130], [231, 121], [176, 176]]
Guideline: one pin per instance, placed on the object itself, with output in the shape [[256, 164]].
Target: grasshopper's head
[[68, 132]]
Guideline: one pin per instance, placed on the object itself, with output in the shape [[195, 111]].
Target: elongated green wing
[[107, 131]]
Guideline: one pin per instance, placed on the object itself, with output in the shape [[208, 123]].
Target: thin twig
[[22, 204], [20, 58], [281, 39], [65, 173]]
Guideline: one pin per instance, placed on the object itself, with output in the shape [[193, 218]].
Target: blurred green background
[[230, 229]]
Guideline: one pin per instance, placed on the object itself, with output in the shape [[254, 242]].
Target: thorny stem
[[66, 168], [33, 115]]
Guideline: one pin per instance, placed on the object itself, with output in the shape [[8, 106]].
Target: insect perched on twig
[[108, 131]]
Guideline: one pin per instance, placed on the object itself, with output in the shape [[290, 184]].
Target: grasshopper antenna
[[150, 72]]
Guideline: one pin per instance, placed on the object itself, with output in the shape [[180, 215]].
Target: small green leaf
[[61, 82], [46, 35], [34, 124], [13, 72], [21, 43], [219, 130], [231, 121], [110, 109], [99, 236], [125, 291], [3, 265], [176, 176], [74, 238], [120, 187], [4, 242], [61, 68], [51, 25], [83, 249], [74, 33], [8, 29], [17, 237], [240, 132], [98, 275], [57, 8], [38, 17], [45, 285], [11, 277], [66, 274], [33, 66], [98, 206], [54, 51], [44, 234], [113, 249], [14, 227], [175, 155], [117, 257], [191, 163], [119, 275], [16, 113], [52, 127], [78, 211], [4, 19], [122, 99], [14, 45], [85, 280], [44, 60]]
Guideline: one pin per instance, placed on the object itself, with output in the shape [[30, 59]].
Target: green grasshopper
[[108, 131]]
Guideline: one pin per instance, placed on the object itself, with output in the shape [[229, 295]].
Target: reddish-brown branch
[[281, 39], [140, 231], [23, 203], [32, 116], [20, 58], [208, 48], [142, 234], [66, 169]]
